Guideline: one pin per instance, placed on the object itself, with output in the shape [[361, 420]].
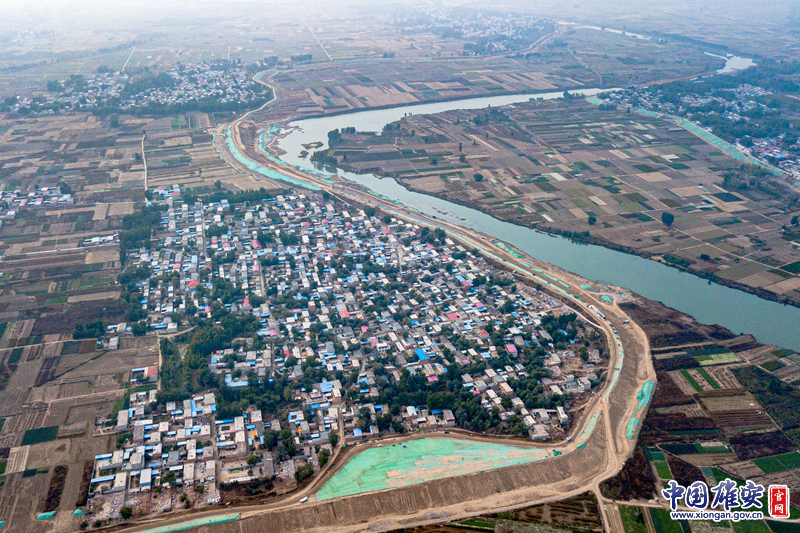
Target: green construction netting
[[644, 397], [199, 522], [421, 460]]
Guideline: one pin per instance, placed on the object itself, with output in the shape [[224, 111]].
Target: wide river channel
[[710, 303]]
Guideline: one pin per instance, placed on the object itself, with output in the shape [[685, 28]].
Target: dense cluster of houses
[[14, 201], [365, 301], [221, 82], [171, 448]]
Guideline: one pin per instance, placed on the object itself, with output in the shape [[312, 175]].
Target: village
[[225, 83], [350, 327], [12, 201], [736, 105], [486, 32]]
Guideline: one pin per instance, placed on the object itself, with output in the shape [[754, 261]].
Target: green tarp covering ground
[[644, 398], [200, 522], [421, 460]]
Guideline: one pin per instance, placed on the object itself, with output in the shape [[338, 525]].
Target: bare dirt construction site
[[603, 176]]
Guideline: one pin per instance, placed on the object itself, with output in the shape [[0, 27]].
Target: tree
[[66, 189], [592, 220], [478, 176], [667, 218], [139, 328], [333, 438], [324, 455], [304, 472], [126, 512], [252, 460], [218, 184]]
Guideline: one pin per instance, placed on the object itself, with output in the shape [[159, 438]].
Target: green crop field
[[482, 523], [782, 527], [632, 519], [664, 523], [750, 526], [772, 366], [662, 468], [693, 382], [95, 282], [16, 353], [711, 381], [35, 436], [711, 350], [778, 463]]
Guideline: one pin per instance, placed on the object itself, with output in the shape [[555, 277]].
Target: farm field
[[322, 88], [571, 168], [632, 519], [703, 435], [663, 523], [778, 463]]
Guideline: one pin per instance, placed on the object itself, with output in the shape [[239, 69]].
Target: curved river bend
[[710, 303]]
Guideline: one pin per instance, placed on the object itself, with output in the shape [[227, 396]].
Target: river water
[[733, 63], [710, 303]]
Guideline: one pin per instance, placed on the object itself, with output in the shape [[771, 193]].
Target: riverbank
[[588, 239]]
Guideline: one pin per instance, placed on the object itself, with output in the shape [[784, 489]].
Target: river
[[733, 63], [710, 303]]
